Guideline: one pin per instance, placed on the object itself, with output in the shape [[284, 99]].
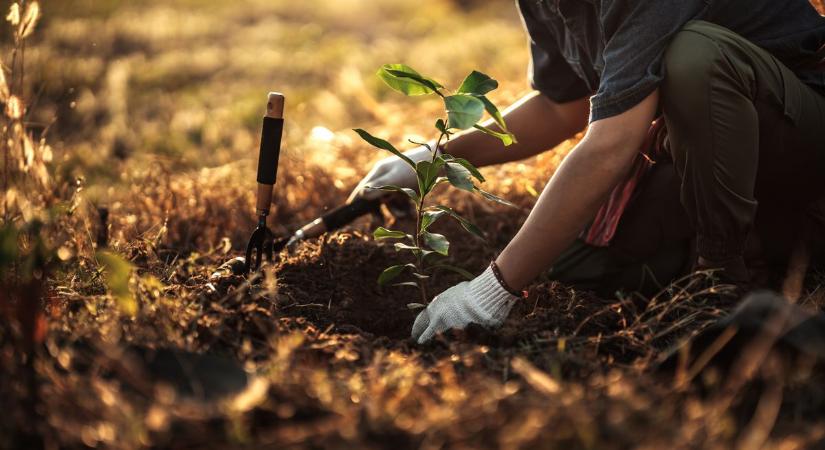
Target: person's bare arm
[[538, 123], [575, 192]]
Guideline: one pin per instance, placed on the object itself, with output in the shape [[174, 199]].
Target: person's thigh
[[791, 116], [771, 137]]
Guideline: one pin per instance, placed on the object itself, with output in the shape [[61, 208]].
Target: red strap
[[603, 228]]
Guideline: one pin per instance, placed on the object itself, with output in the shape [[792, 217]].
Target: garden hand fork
[[273, 126]]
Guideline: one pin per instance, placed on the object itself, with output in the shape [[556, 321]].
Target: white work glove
[[391, 171], [483, 301]]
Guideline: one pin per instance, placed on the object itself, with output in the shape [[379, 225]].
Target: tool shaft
[[337, 218], [345, 214]]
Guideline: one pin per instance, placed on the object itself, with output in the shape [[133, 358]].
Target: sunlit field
[[129, 178]]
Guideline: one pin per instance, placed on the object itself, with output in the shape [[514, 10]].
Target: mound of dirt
[[329, 285], [332, 282]]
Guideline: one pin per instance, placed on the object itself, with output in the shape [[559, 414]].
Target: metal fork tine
[[258, 253], [268, 249], [248, 259]]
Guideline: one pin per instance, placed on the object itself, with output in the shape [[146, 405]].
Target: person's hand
[[483, 301], [390, 171]]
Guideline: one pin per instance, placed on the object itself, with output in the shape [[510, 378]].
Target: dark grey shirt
[[613, 49]]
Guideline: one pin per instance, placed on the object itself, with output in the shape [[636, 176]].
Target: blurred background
[[157, 105]]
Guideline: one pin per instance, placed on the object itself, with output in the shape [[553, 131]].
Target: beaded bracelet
[[497, 273]]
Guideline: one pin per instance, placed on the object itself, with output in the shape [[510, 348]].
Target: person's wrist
[[488, 288], [491, 298], [511, 269], [496, 271]]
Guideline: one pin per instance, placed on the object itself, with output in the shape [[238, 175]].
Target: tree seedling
[[464, 109]]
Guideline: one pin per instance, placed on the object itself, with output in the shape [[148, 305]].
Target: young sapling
[[464, 109]]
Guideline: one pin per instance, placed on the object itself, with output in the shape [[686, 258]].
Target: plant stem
[[438, 144], [419, 258], [419, 218]]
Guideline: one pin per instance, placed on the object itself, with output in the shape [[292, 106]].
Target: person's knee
[[690, 64], [697, 69], [691, 61]]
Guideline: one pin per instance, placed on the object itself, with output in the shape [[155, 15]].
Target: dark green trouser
[[744, 132], [747, 137]]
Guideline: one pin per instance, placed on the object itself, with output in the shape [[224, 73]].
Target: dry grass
[[155, 107]]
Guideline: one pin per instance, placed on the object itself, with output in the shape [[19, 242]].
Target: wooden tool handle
[[271, 134], [263, 199], [275, 105]]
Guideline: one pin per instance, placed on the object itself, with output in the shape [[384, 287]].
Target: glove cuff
[[490, 296]]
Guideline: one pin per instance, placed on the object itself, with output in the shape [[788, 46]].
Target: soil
[[329, 284], [330, 362]]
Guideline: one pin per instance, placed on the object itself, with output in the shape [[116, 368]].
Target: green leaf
[[406, 191], [390, 273], [437, 242], [494, 198], [455, 269], [415, 306], [383, 233], [118, 274], [493, 111], [417, 251], [409, 75], [430, 217], [427, 174], [506, 138], [408, 284], [420, 276], [469, 166], [463, 111], [384, 145], [460, 177], [477, 83], [439, 181], [406, 80], [401, 246], [442, 126], [466, 224], [420, 144]]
